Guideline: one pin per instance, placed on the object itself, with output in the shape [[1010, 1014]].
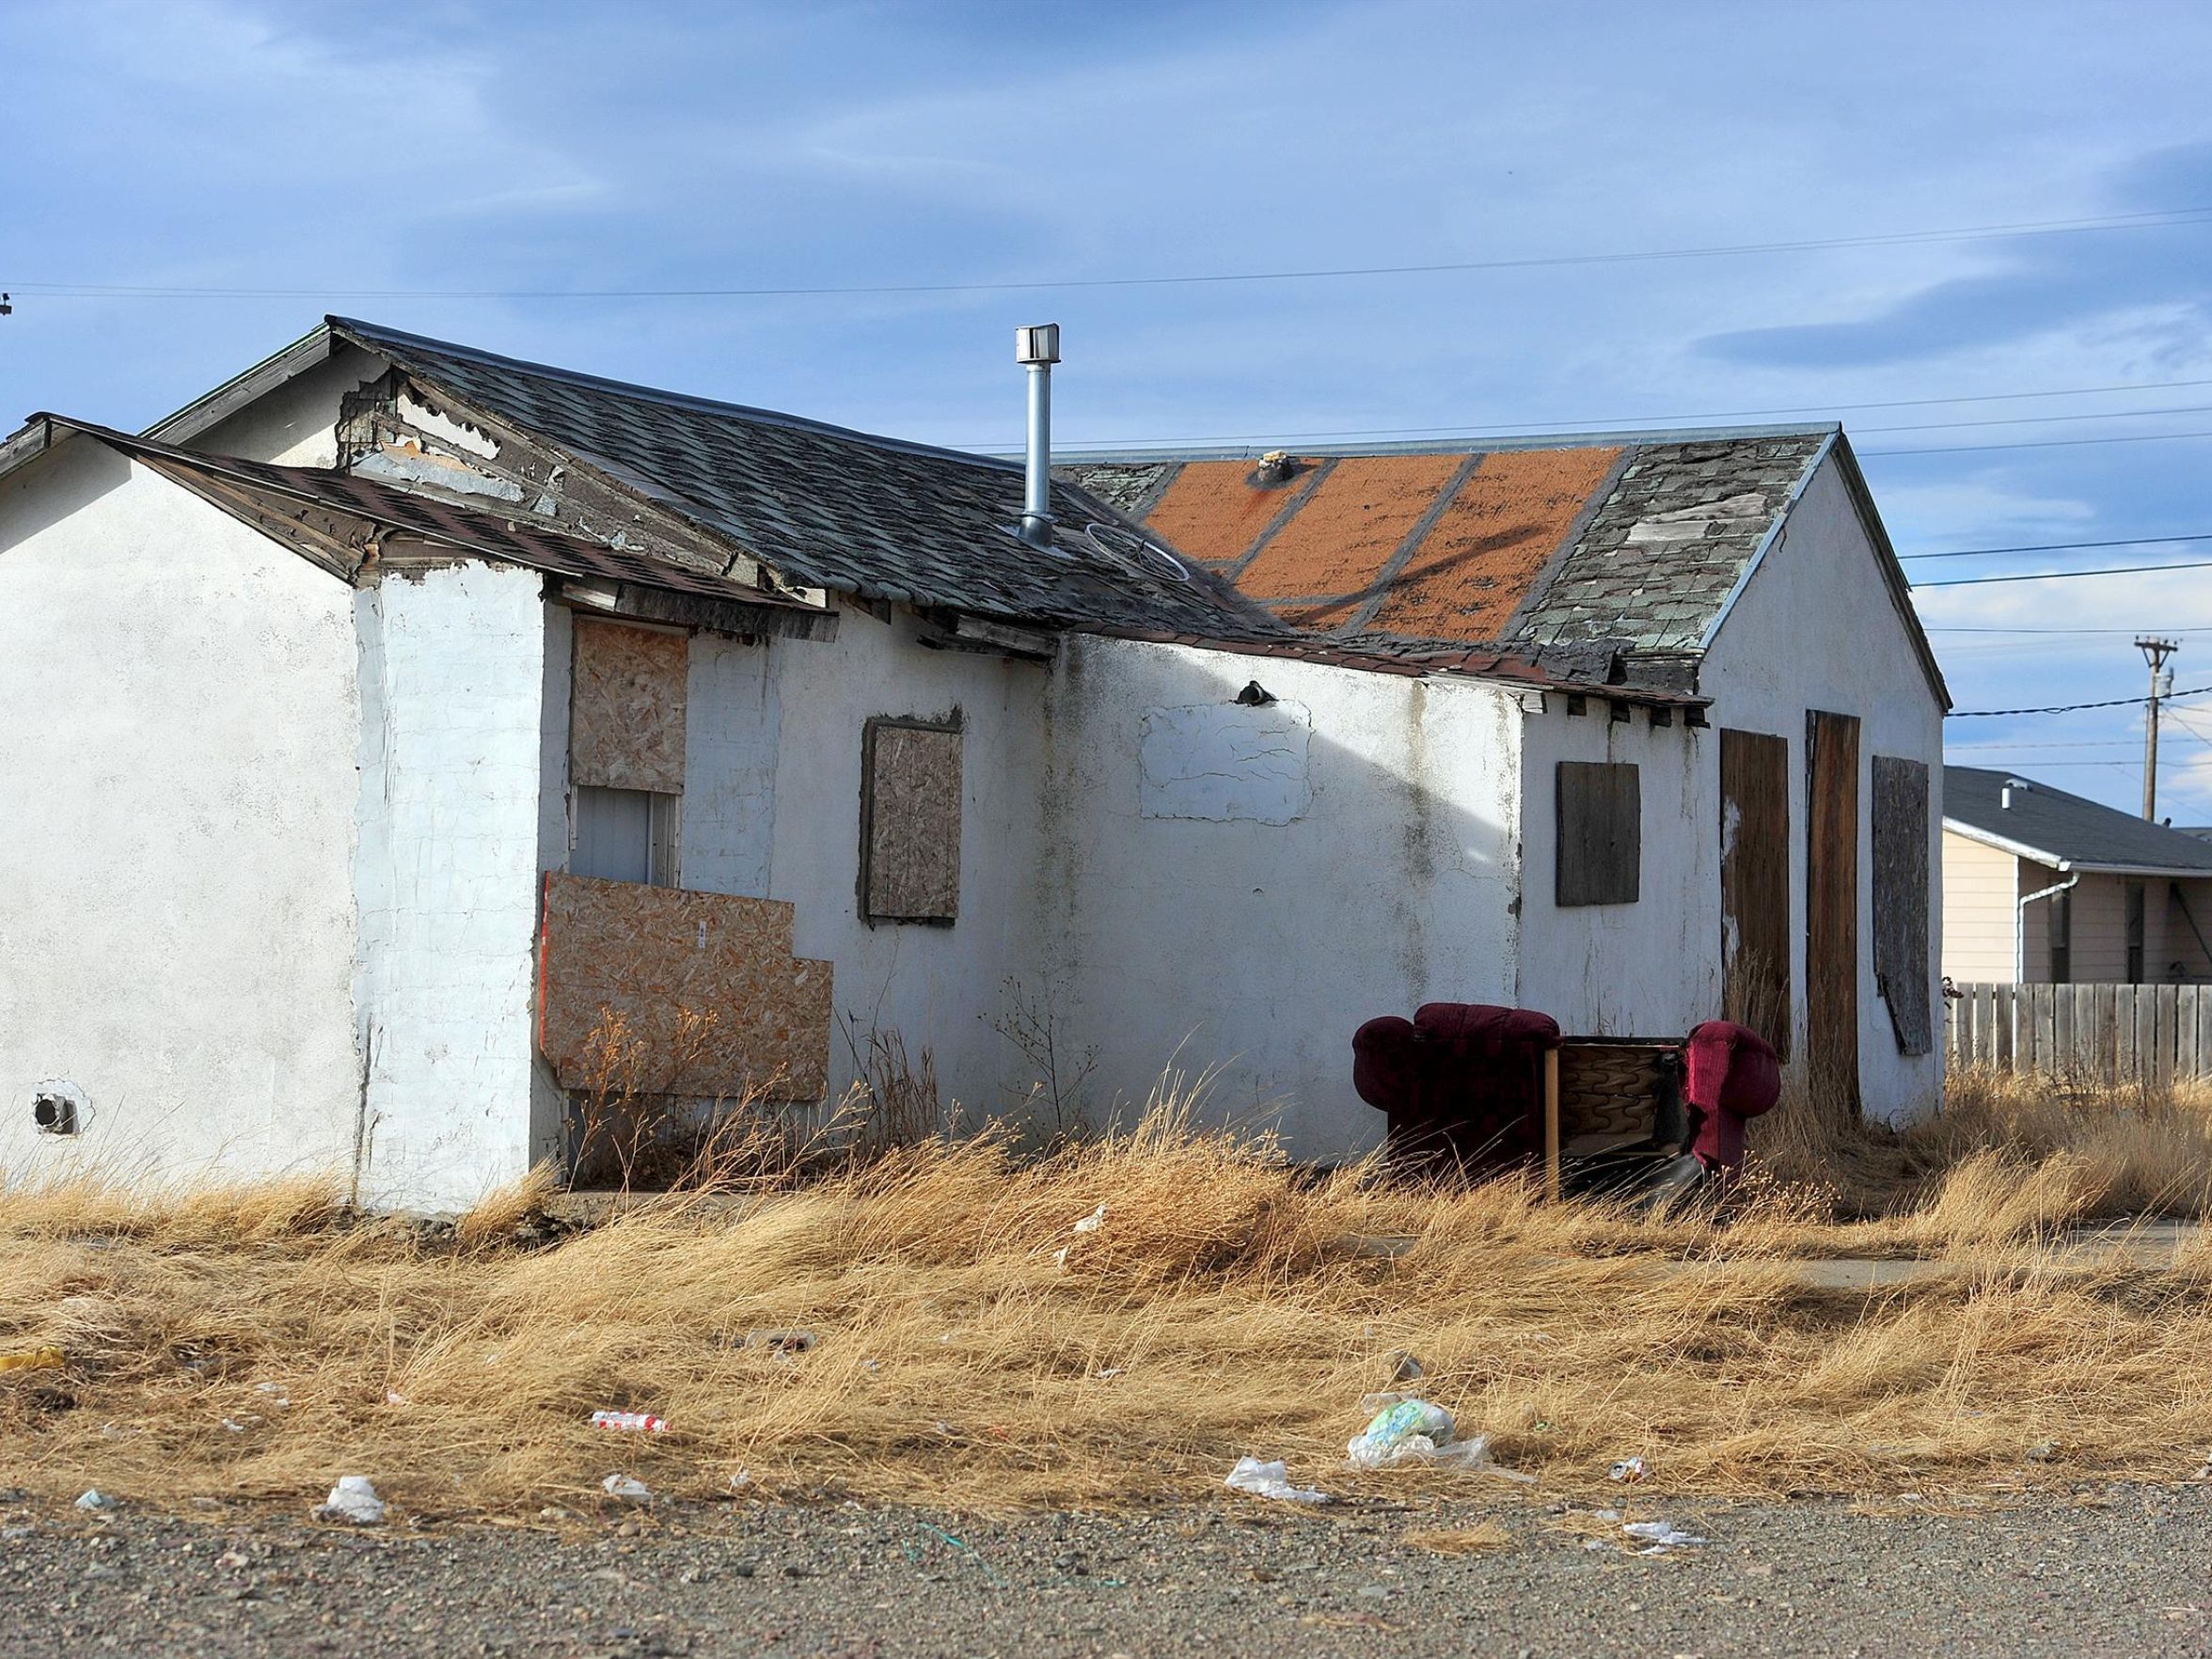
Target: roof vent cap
[[2004, 795]]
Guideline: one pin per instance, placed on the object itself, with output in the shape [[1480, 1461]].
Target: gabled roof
[[2064, 831], [1639, 539], [831, 508], [275, 489]]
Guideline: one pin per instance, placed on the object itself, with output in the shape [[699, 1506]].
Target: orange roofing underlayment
[[1424, 545]]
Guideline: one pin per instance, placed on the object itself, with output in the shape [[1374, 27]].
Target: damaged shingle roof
[[1635, 539], [829, 508]]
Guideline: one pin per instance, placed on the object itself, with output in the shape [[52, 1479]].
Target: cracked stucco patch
[[1226, 761]]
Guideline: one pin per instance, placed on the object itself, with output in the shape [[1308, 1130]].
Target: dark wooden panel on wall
[[1600, 834], [1755, 884], [1831, 910], [1900, 899]]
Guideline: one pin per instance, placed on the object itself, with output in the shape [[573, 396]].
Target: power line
[[2059, 576], [1973, 714], [2058, 547], [2185, 628], [2125, 437], [2149, 220]]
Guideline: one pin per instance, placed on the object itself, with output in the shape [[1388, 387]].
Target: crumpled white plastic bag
[[354, 1501], [1271, 1480]]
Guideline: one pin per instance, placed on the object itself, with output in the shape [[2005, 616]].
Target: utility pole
[[2155, 651]]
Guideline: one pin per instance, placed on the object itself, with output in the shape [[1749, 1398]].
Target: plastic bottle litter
[[627, 1489], [354, 1501], [635, 1422], [1629, 1470], [1271, 1480], [96, 1499]]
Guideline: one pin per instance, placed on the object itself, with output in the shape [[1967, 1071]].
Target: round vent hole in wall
[[59, 1107]]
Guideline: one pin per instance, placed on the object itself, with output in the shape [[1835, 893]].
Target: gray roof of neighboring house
[[831, 508], [2055, 827]]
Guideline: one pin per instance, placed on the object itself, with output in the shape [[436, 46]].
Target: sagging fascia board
[[212, 408], [959, 631], [627, 601]]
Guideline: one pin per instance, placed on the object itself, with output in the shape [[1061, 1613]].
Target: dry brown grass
[[1225, 1306], [1478, 1539]]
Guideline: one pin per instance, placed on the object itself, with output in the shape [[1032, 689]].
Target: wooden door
[[1831, 910], [1755, 884]]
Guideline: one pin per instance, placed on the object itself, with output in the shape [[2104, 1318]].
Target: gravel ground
[[2111, 1569]]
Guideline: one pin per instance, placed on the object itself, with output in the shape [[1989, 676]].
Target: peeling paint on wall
[[1226, 761]]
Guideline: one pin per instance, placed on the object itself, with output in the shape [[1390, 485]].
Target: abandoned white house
[[2041, 887], [372, 726]]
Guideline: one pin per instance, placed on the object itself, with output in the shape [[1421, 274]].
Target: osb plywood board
[[626, 707], [705, 985], [1485, 551], [1348, 527], [910, 828]]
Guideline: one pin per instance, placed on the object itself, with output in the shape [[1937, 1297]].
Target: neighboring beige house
[[2041, 887]]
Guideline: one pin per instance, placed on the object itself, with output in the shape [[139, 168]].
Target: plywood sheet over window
[[910, 821], [669, 992], [1831, 910], [1600, 834], [1900, 899], [626, 707], [1755, 884]]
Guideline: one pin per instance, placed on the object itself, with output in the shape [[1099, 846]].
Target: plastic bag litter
[[1271, 1480], [1629, 1470], [353, 1500], [1658, 1537], [96, 1499], [1093, 1222], [624, 1487], [1405, 1429]]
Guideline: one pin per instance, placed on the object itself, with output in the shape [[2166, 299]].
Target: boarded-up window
[[1600, 834], [626, 704], [910, 821], [1901, 900], [1755, 884], [1831, 910]]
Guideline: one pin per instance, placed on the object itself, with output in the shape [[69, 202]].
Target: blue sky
[[217, 144]]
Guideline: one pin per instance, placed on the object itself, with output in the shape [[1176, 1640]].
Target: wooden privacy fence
[[2112, 1034]]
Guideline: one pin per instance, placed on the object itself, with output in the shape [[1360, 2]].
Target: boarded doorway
[[1755, 884], [1831, 910]]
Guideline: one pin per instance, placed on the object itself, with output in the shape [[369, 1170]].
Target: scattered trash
[[781, 1341], [623, 1487], [1059, 1261], [2042, 1451], [277, 1395], [1629, 1470], [394, 1398], [354, 1501], [1110, 1373], [37, 1359], [635, 1422], [1405, 1368], [1271, 1480], [1404, 1430], [1093, 1222], [740, 1480], [871, 1366], [1542, 1426], [963, 1546], [235, 1425], [1658, 1537], [96, 1500]]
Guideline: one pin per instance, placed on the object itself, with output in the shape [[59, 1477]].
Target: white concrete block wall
[[178, 711], [1256, 946], [454, 667]]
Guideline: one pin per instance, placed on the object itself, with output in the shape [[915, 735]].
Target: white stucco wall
[[178, 716], [453, 674], [1650, 969], [1257, 940], [1815, 628], [294, 424]]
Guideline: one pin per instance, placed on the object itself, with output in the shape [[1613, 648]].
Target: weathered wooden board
[[628, 699], [1755, 884], [1831, 910], [704, 984], [1900, 899], [1600, 835], [911, 822]]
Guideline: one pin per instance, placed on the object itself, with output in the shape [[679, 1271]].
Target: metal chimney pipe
[[1037, 349]]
